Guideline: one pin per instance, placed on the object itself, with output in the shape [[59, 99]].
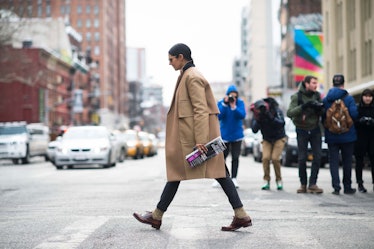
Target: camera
[[231, 99]]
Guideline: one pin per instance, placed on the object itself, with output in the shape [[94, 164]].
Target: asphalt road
[[41, 207]]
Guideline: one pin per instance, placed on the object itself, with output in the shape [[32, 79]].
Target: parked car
[[155, 143], [51, 150], [21, 141], [147, 143], [121, 146], [290, 151], [257, 147], [86, 145], [247, 142], [135, 148]]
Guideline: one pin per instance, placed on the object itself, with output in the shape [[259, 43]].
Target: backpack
[[338, 119]]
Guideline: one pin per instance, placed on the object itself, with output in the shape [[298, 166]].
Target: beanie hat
[[338, 80], [181, 48]]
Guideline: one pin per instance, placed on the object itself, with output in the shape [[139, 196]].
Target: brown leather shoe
[[148, 219], [238, 223]]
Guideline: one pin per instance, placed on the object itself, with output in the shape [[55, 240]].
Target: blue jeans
[[346, 150], [305, 137]]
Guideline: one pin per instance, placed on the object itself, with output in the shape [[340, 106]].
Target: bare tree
[[10, 23]]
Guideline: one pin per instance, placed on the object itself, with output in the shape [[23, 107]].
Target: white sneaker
[[215, 184], [235, 182]]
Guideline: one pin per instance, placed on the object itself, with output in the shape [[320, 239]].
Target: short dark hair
[[308, 78], [338, 80], [181, 48]]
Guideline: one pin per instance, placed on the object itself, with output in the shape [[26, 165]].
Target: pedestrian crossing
[[74, 234]]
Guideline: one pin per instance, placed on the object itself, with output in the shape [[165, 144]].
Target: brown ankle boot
[[302, 189]]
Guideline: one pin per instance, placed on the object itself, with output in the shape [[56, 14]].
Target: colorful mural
[[308, 55]]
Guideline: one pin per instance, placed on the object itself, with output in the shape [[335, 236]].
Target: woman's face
[[176, 62], [367, 99]]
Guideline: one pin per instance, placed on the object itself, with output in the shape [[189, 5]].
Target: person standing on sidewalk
[[305, 111], [365, 136], [232, 112], [270, 120], [192, 122], [342, 143]]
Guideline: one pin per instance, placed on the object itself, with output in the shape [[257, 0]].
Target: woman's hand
[[201, 148]]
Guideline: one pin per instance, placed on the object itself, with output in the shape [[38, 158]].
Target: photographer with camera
[[305, 110], [270, 120], [365, 136], [232, 113]]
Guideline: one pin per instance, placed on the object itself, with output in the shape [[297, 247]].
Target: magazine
[[214, 147]]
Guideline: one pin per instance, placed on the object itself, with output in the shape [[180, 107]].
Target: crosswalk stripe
[[72, 236]]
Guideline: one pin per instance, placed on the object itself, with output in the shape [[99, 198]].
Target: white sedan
[[86, 145]]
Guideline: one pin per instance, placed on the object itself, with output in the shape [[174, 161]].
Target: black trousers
[[226, 183], [234, 148]]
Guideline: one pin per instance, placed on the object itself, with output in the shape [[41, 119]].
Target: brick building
[[102, 27]]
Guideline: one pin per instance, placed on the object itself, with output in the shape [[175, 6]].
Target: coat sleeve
[[352, 107], [294, 109], [240, 112], [279, 121]]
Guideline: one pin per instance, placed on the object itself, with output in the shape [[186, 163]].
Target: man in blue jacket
[[343, 142], [232, 113]]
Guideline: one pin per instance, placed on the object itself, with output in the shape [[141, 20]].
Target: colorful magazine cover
[[214, 147]]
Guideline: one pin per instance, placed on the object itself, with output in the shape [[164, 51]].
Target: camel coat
[[192, 119]]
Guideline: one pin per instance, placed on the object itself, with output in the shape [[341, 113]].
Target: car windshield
[[85, 133], [130, 136], [12, 130]]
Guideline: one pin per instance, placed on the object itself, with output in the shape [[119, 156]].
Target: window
[[339, 20], [79, 23], [88, 9], [352, 9], [367, 9], [62, 10], [96, 23], [97, 36], [367, 58], [88, 36], [96, 9], [352, 69], [97, 50], [79, 9], [29, 10], [40, 8], [88, 23], [48, 8]]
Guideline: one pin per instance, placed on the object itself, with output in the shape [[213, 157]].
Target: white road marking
[[72, 236]]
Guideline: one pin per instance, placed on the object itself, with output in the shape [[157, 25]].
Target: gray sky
[[211, 28]]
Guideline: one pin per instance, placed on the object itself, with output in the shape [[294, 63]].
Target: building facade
[[102, 27], [348, 43]]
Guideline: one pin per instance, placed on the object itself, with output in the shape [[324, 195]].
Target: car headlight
[[100, 149], [62, 150]]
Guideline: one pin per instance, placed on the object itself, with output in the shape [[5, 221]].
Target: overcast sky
[[211, 28]]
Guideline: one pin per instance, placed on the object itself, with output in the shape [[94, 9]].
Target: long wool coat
[[192, 119]]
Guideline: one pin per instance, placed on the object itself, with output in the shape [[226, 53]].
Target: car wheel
[[107, 165], [122, 155], [26, 159], [59, 166], [15, 161]]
